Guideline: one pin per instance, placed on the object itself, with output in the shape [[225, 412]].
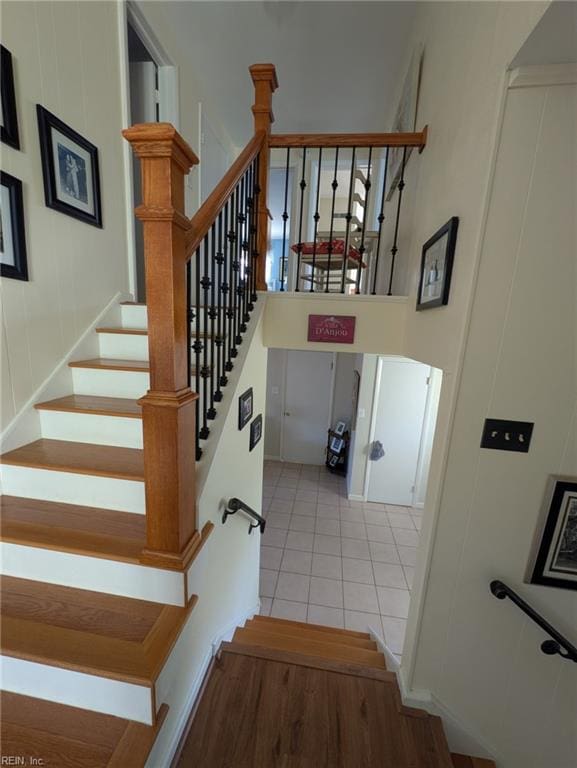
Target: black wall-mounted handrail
[[235, 505], [559, 644]]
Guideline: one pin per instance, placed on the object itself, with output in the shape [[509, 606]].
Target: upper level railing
[[558, 645], [203, 276]]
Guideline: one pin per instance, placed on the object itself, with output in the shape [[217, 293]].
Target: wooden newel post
[[265, 84], [168, 408]]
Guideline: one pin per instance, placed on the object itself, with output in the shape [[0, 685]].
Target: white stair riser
[[73, 488], [127, 346], [92, 573], [91, 428], [107, 383], [133, 316], [77, 689]]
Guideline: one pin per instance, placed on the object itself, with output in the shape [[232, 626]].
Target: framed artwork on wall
[[13, 260], [8, 115], [244, 408], [437, 266], [70, 170], [255, 432], [553, 560]]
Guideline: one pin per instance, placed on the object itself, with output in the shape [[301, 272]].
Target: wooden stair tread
[[326, 650], [104, 406], [465, 761], [312, 633], [112, 364], [124, 331], [70, 528], [92, 632], [270, 620], [80, 458], [66, 736]]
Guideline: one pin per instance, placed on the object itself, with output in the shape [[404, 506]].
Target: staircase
[[288, 694]]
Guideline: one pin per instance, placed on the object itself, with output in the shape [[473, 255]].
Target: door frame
[[284, 389], [168, 90]]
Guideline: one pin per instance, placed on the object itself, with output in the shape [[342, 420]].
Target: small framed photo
[[255, 432], [336, 444], [244, 408], [70, 170], [437, 266], [13, 261], [340, 428], [553, 560], [9, 117], [333, 461]]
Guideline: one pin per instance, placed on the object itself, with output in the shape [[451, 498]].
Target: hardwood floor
[[262, 713], [66, 737]]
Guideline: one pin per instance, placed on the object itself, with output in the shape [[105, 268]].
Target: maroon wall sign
[[337, 329]]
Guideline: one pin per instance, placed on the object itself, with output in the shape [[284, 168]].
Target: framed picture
[[13, 261], [255, 432], [70, 170], [244, 408], [333, 461], [404, 121], [8, 115], [336, 444], [437, 266], [553, 559], [340, 428]]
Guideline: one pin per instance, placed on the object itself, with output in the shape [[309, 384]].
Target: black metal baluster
[[219, 308], [394, 249], [255, 254], [245, 269], [303, 186], [239, 251], [235, 267], [211, 413], [249, 306], [316, 218], [381, 218], [348, 218], [362, 248], [205, 370], [334, 185], [197, 347], [189, 318], [285, 217], [227, 291]]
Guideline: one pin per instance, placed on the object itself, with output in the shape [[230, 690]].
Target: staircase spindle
[[233, 272], [316, 218], [381, 218], [219, 342], [285, 217], [249, 306], [239, 244], [362, 248], [394, 249], [205, 370], [303, 186], [348, 218], [211, 413], [197, 347], [334, 186], [243, 310], [255, 250]]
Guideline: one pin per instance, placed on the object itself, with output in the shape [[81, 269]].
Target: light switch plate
[[503, 435]]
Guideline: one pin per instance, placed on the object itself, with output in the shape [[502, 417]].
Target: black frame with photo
[[9, 133], [557, 527], [255, 432], [336, 444], [244, 415], [18, 270], [449, 229], [47, 122], [340, 428]]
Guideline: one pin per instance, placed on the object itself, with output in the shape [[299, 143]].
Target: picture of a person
[[72, 172]]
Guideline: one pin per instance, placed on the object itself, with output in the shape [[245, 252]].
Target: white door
[[308, 396], [400, 397]]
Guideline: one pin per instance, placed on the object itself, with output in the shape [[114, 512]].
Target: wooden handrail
[[206, 215], [279, 140]]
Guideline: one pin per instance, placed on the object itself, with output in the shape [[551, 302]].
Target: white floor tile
[[287, 482], [294, 561], [418, 521], [265, 606], [292, 586], [393, 602], [360, 571], [280, 505], [327, 566], [409, 575], [375, 516], [351, 515], [408, 555], [355, 548], [278, 520], [388, 575], [353, 530], [328, 527], [361, 597], [327, 592], [328, 510], [382, 533], [328, 617], [399, 520], [286, 609], [394, 630], [273, 537], [302, 523], [359, 621], [304, 508], [406, 538], [307, 495], [299, 540], [384, 553], [327, 545], [268, 581], [270, 558]]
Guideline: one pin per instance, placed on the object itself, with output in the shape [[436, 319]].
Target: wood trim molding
[[543, 75], [280, 140]]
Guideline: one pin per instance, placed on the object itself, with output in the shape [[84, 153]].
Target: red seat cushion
[[322, 249]]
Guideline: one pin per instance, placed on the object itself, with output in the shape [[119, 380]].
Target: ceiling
[[554, 39], [337, 62]]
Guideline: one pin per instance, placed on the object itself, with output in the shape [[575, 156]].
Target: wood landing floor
[[262, 713]]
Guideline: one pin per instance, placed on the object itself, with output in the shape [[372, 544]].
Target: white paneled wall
[[66, 57], [480, 656]]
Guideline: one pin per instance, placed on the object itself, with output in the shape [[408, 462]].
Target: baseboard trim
[[356, 497]]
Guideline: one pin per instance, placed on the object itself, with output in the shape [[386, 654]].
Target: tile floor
[[327, 560]]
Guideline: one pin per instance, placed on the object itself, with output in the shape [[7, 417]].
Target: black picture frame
[[245, 408], [9, 133], [75, 191], [553, 561], [437, 266], [255, 432], [18, 270]]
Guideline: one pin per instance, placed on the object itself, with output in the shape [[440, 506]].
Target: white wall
[[366, 365], [343, 389], [275, 385], [480, 656], [65, 57]]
